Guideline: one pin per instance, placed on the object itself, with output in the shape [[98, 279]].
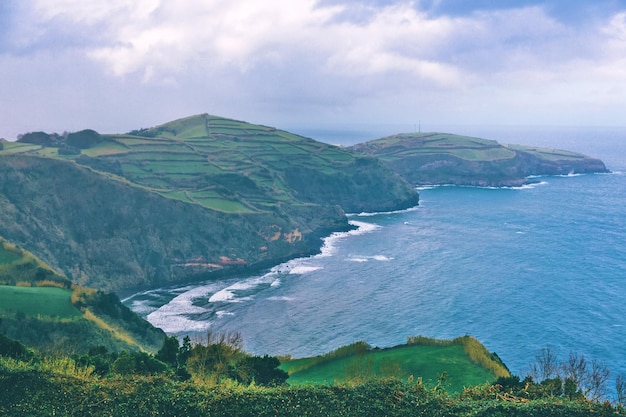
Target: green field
[[428, 359], [549, 154], [37, 301], [181, 160], [463, 147], [8, 256]]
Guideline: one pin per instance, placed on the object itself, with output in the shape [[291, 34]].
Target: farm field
[[221, 164]]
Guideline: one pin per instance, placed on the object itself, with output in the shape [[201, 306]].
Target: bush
[[14, 349], [83, 139]]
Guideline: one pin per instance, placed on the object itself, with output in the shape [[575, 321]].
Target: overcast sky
[[118, 65]]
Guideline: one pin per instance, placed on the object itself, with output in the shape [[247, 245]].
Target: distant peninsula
[[448, 159]]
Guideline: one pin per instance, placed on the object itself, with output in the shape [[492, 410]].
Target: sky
[[120, 65]]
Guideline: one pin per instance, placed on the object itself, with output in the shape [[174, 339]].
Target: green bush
[[83, 139]]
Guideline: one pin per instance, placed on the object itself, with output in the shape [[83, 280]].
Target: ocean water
[[519, 269]]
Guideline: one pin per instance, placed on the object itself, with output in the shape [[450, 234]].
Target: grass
[[546, 153], [37, 301], [20, 266], [7, 255], [17, 147], [462, 362], [184, 157], [464, 147]]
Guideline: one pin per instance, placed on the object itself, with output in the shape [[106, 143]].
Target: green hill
[[441, 158], [194, 198], [43, 310], [454, 363], [52, 319]]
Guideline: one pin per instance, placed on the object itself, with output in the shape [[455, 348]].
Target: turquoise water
[[520, 269]]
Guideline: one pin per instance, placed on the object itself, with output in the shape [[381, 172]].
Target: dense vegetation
[[437, 158], [230, 383]]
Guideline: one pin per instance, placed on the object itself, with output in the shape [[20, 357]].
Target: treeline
[[68, 143]]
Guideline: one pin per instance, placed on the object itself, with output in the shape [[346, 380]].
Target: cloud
[[291, 59]]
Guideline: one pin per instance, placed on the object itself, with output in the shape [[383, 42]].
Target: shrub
[[83, 139]]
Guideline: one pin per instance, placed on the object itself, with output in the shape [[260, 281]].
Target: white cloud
[[297, 59]]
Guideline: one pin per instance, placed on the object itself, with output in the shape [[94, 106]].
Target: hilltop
[[442, 158], [194, 198]]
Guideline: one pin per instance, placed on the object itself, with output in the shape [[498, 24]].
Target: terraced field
[[463, 147], [441, 158], [222, 164]]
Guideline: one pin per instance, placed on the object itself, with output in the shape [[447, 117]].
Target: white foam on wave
[[380, 258], [366, 214], [328, 248], [357, 259], [304, 269], [172, 317], [142, 307], [280, 298], [228, 294], [530, 186], [222, 313]]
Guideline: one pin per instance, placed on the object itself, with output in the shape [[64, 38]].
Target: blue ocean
[[519, 269]]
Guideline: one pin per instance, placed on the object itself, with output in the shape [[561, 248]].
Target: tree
[[546, 365], [620, 388], [262, 370], [83, 139], [169, 351], [218, 357], [184, 351]]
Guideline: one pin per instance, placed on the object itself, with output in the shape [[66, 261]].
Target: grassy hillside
[[52, 319], [439, 158], [38, 301], [236, 167], [455, 364], [38, 308], [198, 197], [20, 267]]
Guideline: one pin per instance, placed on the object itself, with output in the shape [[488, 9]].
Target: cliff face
[[435, 159], [108, 235]]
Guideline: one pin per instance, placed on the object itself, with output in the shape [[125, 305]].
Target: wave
[[530, 186], [303, 269], [378, 213], [280, 298], [228, 294], [380, 258], [328, 247], [173, 316], [182, 313]]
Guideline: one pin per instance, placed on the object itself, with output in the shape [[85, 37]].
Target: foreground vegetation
[[43, 310], [101, 384], [464, 361]]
